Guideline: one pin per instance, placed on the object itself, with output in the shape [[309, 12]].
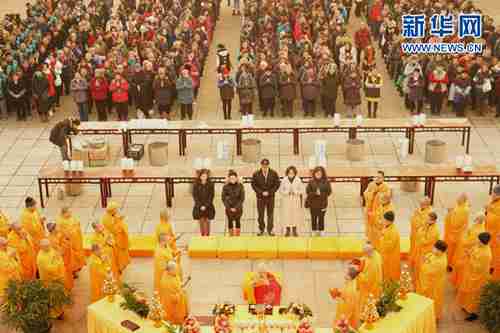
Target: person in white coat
[[292, 193]]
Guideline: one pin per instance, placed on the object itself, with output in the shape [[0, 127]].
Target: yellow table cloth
[[417, 316]]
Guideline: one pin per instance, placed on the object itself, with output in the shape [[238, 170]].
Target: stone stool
[[158, 153], [435, 151], [250, 150], [355, 149]]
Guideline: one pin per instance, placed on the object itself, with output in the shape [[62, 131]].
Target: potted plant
[[27, 305], [489, 306]]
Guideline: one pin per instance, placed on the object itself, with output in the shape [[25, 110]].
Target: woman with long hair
[[318, 190], [203, 195], [292, 209]]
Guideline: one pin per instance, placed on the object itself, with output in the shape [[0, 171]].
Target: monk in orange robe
[[172, 296], [9, 267], [476, 275], [98, 268], [4, 225], [372, 200], [432, 277], [455, 225], [163, 255], [106, 243], [115, 225], [262, 287], [371, 275], [348, 299], [426, 237], [51, 268], [165, 227], [465, 245], [390, 249], [33, 223], [69, 225], [493, 227], [20, 242], [418, 220], [385, 205], [60, 243]]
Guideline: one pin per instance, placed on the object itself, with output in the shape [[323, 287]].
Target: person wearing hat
[[432, 277], [265, 183], [476, 274], [390, 249], [115, 224], [493, 227], [185, 93], [226, 87], [233, 196]]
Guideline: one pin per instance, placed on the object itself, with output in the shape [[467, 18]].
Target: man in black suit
[[265, 183]]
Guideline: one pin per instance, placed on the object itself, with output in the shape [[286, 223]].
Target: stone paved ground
[[24, 149]]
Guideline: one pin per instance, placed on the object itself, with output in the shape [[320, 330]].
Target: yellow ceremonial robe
[[51, 268], [454, 226], [466, 243], [163, 254], [348, 305], [118, 228], [173, 299], [378, 223], [391, 253], [71, 228], [165, 227], [418, 220], [25, 254], [370, 278], [425, 239], [4, 226], [63, 246], [432, 280], [493, 227], [32, 223], [97, 270], [476, 275], [107, 244], [372, 201], [9, 270]]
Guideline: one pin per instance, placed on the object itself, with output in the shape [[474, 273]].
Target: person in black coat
[[265, 183], [17, 95], [60, 132], [233, 196], [318, 190], [203, 195]]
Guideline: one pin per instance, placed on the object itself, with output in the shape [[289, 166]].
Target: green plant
[[28, 304], [489, 306], [300, 310], [133, 302], [387, 302]]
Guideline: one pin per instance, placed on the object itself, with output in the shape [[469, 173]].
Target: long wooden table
[[296, 128], [169, 176]]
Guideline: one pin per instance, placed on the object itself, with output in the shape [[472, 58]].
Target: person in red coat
[[438, 85], [99, 88], [376, 17], [362, 39], [119, 96], [52, 88]]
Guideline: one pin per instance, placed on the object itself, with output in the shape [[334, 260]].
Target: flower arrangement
[[406, 284], [305, 326], [191, 325], [227, 309], [134, 301], [222, 325], [342, 326], [156, 312], [110, 287], [300, 310], [370, 312]]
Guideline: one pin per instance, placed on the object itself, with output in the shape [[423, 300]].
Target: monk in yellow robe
[[115, 224], [262, 287], [384, 206], [432, 278], [418, 220], [98, 268], [370, 276], [427, 236], [60, 243], [9, 267], [455, 225], [20, 242], [165, 227], [51, 268], [163, 255], [493, 227], [390, 249], [33, 223], [69, 225], [372, 201], [465, 245], [172, 296], [106, 243], [4, 225], [476, 275], [348, 299]]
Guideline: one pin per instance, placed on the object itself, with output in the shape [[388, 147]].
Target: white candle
[[359, 120], [336, 119]]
